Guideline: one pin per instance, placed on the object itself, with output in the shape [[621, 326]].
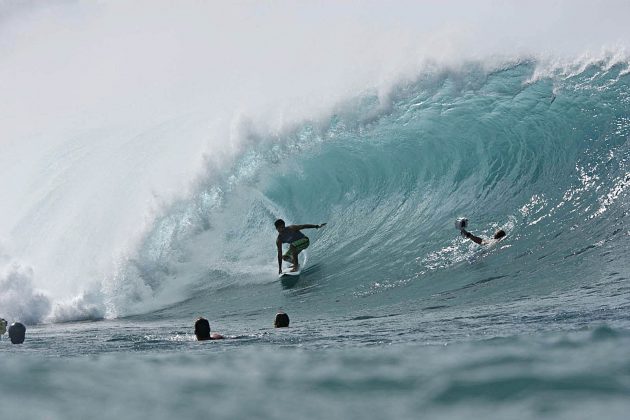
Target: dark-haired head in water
[[17, 331], [202, 330], [281, 321]]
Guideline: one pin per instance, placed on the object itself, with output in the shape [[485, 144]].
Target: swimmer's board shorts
[[300, 245]]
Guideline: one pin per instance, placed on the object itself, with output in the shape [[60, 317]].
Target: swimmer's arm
[[475, 239]]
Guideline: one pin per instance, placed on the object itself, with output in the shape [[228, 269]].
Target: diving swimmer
[[462, 223], [499, 234], [297, 241]]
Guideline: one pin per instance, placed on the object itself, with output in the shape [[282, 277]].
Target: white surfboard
[[286, 267], [289, 273]]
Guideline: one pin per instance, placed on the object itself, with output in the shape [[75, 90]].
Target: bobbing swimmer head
[[17, 331], [281, 321], [202, 329]]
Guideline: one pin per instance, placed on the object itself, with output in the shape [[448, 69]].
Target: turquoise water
[[148, 149], [395, 316]]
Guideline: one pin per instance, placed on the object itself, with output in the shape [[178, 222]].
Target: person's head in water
[[279, 224], [202, 329], [499, 234], [17, 331], [3, 326], [281, 321]]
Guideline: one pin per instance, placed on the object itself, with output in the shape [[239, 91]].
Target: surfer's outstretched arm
[[300, 227]]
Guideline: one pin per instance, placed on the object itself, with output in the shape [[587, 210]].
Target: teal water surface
[[396, 315]]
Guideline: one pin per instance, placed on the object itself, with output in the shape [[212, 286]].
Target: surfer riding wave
[[297, 241]]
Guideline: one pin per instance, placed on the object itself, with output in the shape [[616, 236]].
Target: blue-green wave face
[[543, 155], [142, 168]]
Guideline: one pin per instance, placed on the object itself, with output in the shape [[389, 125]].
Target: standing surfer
[[297, 241]]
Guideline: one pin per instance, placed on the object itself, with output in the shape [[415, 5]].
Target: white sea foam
[[19, 299]]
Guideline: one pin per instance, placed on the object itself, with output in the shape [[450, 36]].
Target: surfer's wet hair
[[202, 329], [499, 234], [281, 321], [279, 223]]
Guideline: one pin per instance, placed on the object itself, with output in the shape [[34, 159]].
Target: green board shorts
[[300, 245]]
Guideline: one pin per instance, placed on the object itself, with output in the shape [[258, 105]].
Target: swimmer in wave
[[462, 223]]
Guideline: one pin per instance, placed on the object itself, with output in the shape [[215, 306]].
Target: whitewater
[[148, 147]]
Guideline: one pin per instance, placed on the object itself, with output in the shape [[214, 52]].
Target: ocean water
[[114, 242]]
